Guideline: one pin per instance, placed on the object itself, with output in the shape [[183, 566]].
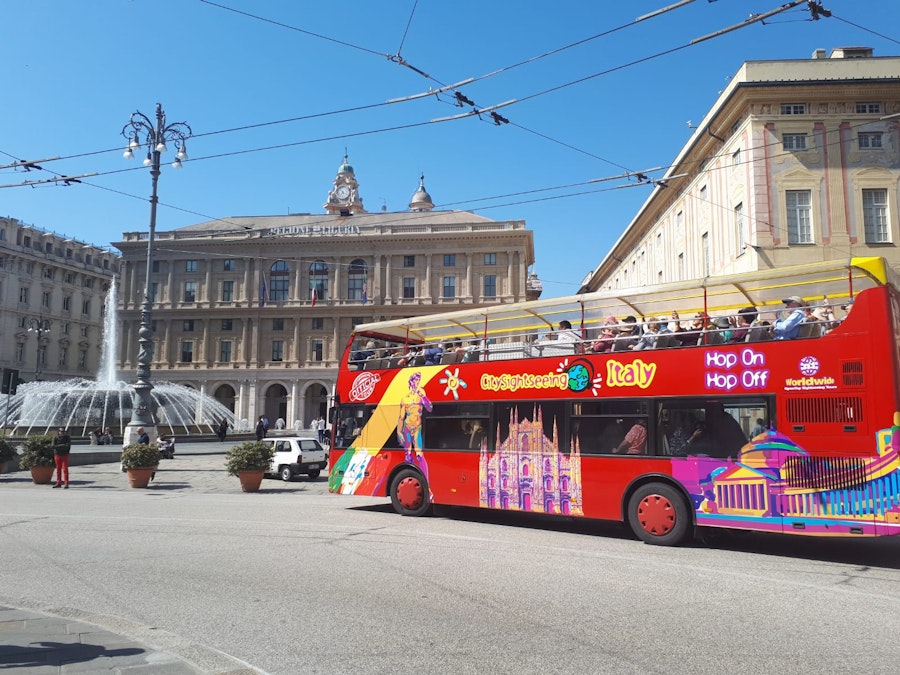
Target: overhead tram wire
[[397, 58], [422, 94], [408, 24], [867, 30], [294, 28]]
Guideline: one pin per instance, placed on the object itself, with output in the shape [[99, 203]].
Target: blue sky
[[74, 71]]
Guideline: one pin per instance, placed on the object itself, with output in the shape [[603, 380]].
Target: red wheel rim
[[410, 493], [656, 514]]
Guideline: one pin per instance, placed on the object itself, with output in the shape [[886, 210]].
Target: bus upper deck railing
[[720, 309], [612, 336]]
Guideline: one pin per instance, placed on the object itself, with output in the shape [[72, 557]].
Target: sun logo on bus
[[453, 383], [581, 375]]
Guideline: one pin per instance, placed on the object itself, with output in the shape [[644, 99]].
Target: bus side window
[[598, 435]]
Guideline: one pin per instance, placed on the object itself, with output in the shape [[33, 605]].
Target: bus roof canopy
[[764, 289]]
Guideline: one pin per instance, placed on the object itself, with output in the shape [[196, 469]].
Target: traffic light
[[10, 381]]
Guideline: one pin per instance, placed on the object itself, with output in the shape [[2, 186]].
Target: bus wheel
[[409, 493], [657, 514]]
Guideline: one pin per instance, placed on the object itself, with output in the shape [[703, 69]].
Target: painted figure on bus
[[409, 423]]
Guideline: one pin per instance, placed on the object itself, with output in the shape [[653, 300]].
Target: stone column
[[248, 270], [245, 341], [298, 288], [388, 282], [336, 286], [241, 407], [429, 296], [294, 413], [209, 293], [376, 289], [170, 283], [254, 342], [470, 292], [510, 279], [207, 341], [338, 346]]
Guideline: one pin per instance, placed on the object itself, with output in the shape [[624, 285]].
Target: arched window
[[356, 279], [279, 281], [318, 280]]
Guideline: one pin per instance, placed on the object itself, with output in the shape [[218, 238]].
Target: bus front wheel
[[658, 514], [409, 493]]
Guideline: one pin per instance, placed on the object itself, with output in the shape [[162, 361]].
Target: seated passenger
[[566, 333], [787, 326], [825, 320], [628, 336], [433, 355], [635, 441], [473, 352], [718, 331], [649, 338], [606, 339], [745, 319]]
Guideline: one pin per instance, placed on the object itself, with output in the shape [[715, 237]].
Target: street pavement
[[63, 643]]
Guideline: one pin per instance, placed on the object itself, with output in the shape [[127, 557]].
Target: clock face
[[343, 192]]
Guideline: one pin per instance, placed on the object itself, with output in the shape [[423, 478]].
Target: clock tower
[[344, 199]]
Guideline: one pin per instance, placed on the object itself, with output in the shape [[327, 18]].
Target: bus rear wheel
[[409, 493], [658, 515]]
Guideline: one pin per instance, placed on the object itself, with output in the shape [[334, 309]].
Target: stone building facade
[[256, 311], [798, 161], [52, 292]]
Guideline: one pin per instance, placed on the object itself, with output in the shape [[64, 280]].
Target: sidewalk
[[54, 644], [74, 643]]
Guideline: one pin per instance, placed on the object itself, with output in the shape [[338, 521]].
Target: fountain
[[84, 405]]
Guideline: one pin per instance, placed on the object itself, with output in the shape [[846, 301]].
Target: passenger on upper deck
[[628, 336], [433, 355], [473, 352], [787, 327], [607, 337], [650, 336], [745, 318], [566, 333]]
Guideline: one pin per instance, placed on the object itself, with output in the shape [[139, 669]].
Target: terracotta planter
[[251, 480], [140, 477], [42, 475]]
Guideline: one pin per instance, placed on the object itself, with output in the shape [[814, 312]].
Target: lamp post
[[141, 131], [38, 325]]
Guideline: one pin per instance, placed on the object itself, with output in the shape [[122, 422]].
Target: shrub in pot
[[249, 462], [7, 453], [139, 461], [37, 457]]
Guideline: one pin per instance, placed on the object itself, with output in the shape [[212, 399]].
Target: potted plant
[[249, 462], [7, 453], [139, 461], [37, 457]]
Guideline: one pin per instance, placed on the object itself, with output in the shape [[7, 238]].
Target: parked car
[[295, 455]]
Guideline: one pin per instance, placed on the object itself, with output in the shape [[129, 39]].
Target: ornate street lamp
[[140, 131], [39, 326]]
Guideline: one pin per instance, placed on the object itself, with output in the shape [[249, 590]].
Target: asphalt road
[[295, 580]]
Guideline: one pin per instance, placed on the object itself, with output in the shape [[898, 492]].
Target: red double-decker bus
[[763, 401]]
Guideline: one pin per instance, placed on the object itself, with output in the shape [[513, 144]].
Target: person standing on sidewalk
[[62, 445], [222, 431], [320, 428]]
